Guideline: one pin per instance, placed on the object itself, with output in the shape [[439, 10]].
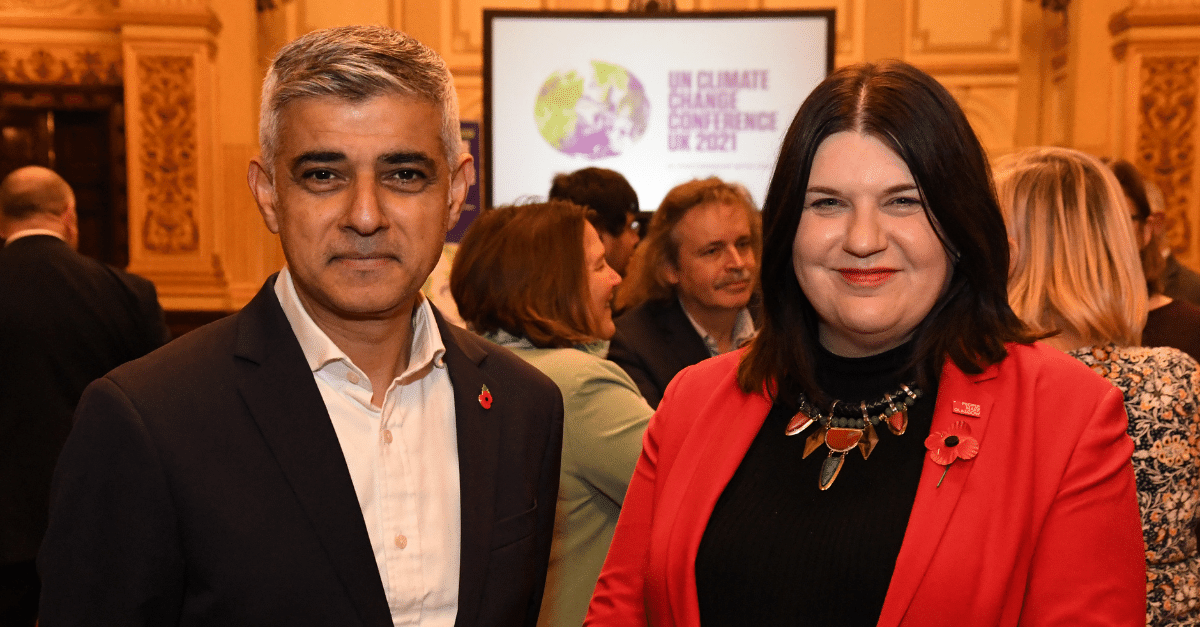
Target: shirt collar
[[599, 348], [27, 232], [427, 349], [743, 330]]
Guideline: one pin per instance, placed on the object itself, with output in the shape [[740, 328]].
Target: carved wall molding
[[166, 6], [461, 28], [1166, 136], [56, 6], [1000, 40], [1167, 3], [463, 25], [60, 65], [1144, 15], [990, 104], [168, 153]]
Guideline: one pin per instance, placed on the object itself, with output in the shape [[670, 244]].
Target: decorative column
[[1157, 43], [169, 103]]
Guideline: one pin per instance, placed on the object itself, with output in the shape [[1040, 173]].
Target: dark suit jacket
[[653, 342], [1181, 282], [204, 485], [65, 320]]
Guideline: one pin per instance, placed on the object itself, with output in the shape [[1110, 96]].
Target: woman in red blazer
[[892, 448]]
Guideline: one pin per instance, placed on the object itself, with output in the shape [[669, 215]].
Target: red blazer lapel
[[706, 462], [935, 504]]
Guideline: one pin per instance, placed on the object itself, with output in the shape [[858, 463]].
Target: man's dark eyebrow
[[317, 156], [414, 158]]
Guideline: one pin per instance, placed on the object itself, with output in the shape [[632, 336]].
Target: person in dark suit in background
[[614, 205], [689, 284], [65, 320], [335, 453], [1179, 281]]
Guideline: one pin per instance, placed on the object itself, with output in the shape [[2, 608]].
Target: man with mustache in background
[[686, 293], [335, 453]]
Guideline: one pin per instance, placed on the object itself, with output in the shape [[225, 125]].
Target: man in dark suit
[[1180, 281], [335, 453], [689, 284], [65, 320]]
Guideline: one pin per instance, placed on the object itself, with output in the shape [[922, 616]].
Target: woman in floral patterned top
[[1075, 272]]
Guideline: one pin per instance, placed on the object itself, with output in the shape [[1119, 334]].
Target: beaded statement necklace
[[847, 426]]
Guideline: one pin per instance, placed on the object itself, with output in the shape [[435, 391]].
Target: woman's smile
[[867, 277]]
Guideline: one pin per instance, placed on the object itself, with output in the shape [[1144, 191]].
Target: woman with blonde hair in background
[[1075, 271]]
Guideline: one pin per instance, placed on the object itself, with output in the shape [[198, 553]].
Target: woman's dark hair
[[920, 121], [521, 269]]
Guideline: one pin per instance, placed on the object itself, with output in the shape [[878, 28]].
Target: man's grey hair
[[357, 63]]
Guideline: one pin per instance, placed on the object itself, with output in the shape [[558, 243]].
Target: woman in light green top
[[533, 278]]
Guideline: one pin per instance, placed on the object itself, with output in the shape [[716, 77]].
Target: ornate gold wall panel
[[1166, 138], [462, 29], [973, 47], [957, 26], [964, 35], [990, 104], [59, 64], [168, 154], [56, 6], [848, 31], [1157, 47], [174, 222]]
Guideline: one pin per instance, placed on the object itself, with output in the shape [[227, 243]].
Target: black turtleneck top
[[779, 551]]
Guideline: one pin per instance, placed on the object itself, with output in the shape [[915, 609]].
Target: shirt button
[[387, 439], [401, 541], [352, 377]]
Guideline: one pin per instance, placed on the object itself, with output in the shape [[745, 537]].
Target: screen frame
[[491, 15]]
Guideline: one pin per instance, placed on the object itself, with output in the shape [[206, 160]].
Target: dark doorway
[[79, 132]]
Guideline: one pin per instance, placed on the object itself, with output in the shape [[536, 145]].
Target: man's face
[[361, 196], [618, 249], [716, 259]]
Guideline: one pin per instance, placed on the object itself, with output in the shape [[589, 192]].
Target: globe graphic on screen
[[597, 112]]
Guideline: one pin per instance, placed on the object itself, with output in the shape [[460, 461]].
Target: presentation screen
[[660, 98]]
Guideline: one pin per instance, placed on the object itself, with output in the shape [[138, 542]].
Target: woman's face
[[865, 255], [602, 280]]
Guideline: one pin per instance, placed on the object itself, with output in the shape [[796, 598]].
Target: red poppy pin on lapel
[[485, 398], [951, 444]]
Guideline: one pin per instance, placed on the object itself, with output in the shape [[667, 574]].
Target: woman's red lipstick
[[866, 277]]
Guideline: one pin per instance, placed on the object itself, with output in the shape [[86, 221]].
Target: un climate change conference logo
[[598, 112]]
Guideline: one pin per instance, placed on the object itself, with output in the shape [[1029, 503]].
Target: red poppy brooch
[[485, 398], [951, 444]]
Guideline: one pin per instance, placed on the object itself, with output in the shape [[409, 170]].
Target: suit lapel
[[685, 346], [279, 391], [706, 462], [935, 505], [478, 462]]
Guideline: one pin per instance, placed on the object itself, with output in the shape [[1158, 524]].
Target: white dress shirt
[[27, 232], [403, 460], [743, 331]]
